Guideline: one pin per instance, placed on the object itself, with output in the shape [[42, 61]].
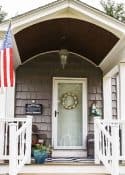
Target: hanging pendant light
[[63, 57]]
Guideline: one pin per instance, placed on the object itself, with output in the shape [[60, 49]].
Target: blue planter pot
[[39, 156]]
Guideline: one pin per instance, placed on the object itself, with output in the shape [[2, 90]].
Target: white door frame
[[54, 108]]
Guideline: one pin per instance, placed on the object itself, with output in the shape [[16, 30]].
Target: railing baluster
[[20, 144], [96, 138], [102, 143], [13, 147], [106, 146], [6, 137], [115, 149], [23, 142], [28, 138]]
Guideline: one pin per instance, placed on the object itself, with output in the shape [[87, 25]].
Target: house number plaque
[[33, 108]]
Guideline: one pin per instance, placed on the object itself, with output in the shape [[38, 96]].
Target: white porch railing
[[15, 142], [108, 143]]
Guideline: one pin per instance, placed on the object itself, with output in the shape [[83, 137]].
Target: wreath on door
[[65, 100]]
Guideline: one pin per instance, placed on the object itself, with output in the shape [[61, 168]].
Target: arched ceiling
[[78, 36]]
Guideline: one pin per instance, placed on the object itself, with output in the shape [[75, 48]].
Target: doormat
[[69, 160]]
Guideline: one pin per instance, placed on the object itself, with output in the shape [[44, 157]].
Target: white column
[[122, 90], [10, 102], [122, 101], [107, 97], [2, 102], [7, 96]]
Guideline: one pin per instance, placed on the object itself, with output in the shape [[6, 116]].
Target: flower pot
[[39, 156]]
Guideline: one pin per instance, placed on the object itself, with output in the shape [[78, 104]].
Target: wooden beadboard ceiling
[[75, 35]]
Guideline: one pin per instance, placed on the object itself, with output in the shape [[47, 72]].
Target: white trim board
[[56, 80], [53, 10], [60, 169]]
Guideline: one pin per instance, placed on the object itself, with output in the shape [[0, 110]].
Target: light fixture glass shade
[[63, 57]]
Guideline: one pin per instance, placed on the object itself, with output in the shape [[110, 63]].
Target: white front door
[[69, 124]]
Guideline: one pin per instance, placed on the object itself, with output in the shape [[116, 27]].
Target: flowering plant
[[42, 147], [41, 152]]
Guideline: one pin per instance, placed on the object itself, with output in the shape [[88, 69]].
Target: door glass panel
[[69, 121]]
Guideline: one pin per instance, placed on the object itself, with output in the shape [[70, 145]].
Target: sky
[[16, 7]]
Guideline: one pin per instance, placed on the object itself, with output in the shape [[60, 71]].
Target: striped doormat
[[69, 160]]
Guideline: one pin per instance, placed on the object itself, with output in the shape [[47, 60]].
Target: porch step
[[58, 169], [63, 170]]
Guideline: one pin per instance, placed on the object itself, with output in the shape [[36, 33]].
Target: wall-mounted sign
[[33, 108]]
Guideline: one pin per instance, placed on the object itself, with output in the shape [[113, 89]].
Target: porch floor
[[59, 169], [74, 169], [66, 160], [62, 166]]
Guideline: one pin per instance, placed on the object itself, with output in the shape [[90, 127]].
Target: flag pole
[[2, 88], [9, 27], [6, 61]]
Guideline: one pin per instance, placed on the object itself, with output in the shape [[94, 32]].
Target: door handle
[[56, 113]]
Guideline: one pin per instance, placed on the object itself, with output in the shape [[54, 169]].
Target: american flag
[[7, 77]]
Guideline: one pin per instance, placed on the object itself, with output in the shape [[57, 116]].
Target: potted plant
[[40, 152], [94, 111]]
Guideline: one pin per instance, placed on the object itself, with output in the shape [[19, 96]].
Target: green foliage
[[42, 148], [113, 9], [2, 14]]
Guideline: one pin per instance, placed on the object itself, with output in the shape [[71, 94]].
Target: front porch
[[63, 98], [109, 151], [57, 126]]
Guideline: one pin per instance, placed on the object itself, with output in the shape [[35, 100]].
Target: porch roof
[[69, 24], [81, 37]]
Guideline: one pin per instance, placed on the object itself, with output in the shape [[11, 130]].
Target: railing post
[[115, 148], [2, 132], [28, 139], [122, 102], [13, 149], [96, 140]]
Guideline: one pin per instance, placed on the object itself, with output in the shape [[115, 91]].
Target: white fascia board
[[100, 18], [17, 59], [112, 72], [41, 14], [27, 19], [96, 17], [115, 56]]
